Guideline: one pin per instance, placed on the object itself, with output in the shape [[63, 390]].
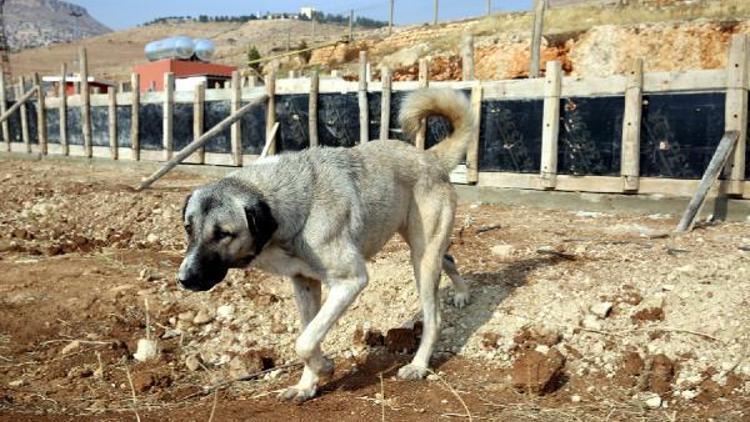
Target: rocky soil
[[574, 315]]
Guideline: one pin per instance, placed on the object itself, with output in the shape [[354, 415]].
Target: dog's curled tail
[[448, 103]]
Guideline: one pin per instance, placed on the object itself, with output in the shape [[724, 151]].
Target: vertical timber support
[[198, 117], [313, 108], [271, 111], [631, 128], [236, 129], [536, 38], [24, 115], [85, 103], [424, 82], [735, 111], [551, 125], [364, 120], [3, 107], [385, 103], [63, 110], [112, 120], [472, 153], [41, 115], [467, 58], [168, 123], [135, 109]]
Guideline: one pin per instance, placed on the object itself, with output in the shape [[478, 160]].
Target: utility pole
[[314, 16], [489, 7], [435, 18], [390, 18], [351, 25], [536, 38]]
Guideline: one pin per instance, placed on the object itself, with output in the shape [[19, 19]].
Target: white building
[[307, 11]]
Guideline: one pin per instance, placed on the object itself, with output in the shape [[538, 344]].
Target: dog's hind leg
[[428, 239], [344, 288], [461, 297]]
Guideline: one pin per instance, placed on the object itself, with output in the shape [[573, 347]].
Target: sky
[[119, 14]]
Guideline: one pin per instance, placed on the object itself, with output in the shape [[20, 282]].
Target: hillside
[[32, 23]]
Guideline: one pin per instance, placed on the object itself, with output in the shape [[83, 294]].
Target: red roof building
[[152, 74]]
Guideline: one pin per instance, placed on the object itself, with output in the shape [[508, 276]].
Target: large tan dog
[[315, 216]]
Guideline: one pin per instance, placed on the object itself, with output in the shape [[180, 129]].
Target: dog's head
[[227, 224]]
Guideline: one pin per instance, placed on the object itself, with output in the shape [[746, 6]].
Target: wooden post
[[536, 38], [198, 117], [24, 114], [472, 153], [551, 124], [41, 115], [3, 108], [64, 110], [435, 14], [236, 130], [489, 7], [735, 114], [364, 120], [385, 103], [19, 102], [85, 103], [351, 25], [390, 17], [313, 108], [168, 123], [112, 121], [424, 82], [135, 140], [718, 161], [631, 128], [467, 58], [271, 108], [199, 142]]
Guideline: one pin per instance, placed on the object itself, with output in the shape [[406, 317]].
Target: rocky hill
[[33, 23]]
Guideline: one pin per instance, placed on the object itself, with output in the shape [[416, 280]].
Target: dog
[[317, 215]]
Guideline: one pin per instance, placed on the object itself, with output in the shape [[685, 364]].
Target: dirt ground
[[575, 316]]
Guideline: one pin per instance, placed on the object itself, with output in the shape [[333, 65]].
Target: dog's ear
[[261, 223]]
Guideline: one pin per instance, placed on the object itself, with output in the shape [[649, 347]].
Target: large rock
[[537, 373]]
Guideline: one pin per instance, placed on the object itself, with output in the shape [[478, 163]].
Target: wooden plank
[[467, 58], [313, 108], [385, 104], [3, 109], [112, 123], [41, 115], [270, 140], [168, 116], [550, 124], [24, 113], [536, 38], [20, 102], [364, 119], [718, 161], [631, 128], [271, 108], [472, 152], [199, 142], [85, 104], [199, 113], [236, 129], [424, 82], [735, 114], [63, 110], [135, 140]]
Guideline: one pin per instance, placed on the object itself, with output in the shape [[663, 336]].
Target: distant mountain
[[34, 23]]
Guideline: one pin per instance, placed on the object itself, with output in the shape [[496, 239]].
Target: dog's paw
[[461, 299], [327, 371], [297, 394], [412, 372]]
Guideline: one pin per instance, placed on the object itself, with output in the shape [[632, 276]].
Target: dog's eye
[[188, 228], [223, 234]]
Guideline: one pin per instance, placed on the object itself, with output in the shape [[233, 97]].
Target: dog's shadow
[[488, 291]]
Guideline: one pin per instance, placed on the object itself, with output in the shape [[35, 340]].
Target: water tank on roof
[[204, 49], [180, 47]]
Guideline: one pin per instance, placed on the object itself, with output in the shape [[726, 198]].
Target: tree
[[252, 55]]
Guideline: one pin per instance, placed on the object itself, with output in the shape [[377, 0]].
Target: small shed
[[187, 74]]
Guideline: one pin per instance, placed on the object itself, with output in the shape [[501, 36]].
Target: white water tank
[[203, 49], [180, 47]]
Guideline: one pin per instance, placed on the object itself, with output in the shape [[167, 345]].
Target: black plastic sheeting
[[590, 136], [254, 129], [338, 120], [292, 113], [182, 126], [151, 127], [679, 134], [31, 113], [100, 126], [511, 136], [124, 121], [53, 126], [73, 123], [14, 125], [215, 112], [373, 114], [395, 127]]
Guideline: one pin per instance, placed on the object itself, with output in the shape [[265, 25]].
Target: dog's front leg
[[317, 367]]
